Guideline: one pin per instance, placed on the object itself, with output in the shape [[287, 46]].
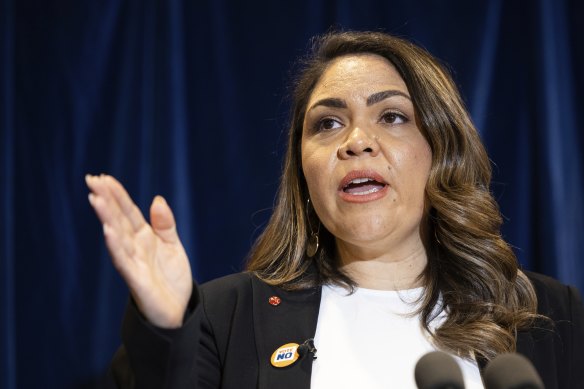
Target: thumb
[[162, 220]]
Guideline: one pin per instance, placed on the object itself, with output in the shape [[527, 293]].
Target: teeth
[[372, 190], [360, 180]]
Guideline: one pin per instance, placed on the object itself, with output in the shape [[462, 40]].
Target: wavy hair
[[472, 273]]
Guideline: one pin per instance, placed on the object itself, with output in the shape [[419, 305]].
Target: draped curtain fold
[[189, 100], [7, 279]]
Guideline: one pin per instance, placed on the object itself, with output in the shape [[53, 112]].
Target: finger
[[99, 204], [109, 213], [119, 249], [105, 187], [127, 206], [101, 197], [162, 220], [98, 185]]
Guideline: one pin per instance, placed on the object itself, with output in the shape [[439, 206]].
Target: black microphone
[[438, 370], [512, 371], [307, 347]]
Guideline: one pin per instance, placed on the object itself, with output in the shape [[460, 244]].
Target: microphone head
[[438, 370], [511, 371]]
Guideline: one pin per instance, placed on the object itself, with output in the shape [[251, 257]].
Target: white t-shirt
[[367, 340]]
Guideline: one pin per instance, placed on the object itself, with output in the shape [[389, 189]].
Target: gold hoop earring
[[312, 244]]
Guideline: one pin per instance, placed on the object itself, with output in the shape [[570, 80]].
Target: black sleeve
[[577, 344], [153, 357]]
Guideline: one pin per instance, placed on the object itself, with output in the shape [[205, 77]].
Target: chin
[[363, 237], [375, 235]]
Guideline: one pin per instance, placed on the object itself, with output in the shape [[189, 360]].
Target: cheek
[[309, 165], [419, 154], [421, 163], [317, 166], [411, 164], [424, 161], [420, 171]]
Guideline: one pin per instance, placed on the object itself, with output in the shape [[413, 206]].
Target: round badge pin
[[285, 355]]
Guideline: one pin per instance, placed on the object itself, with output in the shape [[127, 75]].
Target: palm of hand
[[158, 272], [150, 258]]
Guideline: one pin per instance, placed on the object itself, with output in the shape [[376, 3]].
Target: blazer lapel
[[292, 320]]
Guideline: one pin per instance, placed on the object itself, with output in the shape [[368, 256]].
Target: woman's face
[[365, 160]]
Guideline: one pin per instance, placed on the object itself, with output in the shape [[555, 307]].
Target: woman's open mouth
[[362, 186]]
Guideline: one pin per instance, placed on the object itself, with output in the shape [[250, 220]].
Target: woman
[[384, 244]]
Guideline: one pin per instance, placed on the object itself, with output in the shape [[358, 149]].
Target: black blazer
[[232, 330]]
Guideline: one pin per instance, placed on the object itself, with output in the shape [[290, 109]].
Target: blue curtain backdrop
[[188, 99]]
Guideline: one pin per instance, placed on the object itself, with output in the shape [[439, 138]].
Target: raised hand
[[150, 257]]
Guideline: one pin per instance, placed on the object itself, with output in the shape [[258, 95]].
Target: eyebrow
[[373, 99], [330, 102], [379, 96]]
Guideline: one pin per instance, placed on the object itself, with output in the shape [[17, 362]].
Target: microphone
[[307, 347], [438, 370], [512, 371]]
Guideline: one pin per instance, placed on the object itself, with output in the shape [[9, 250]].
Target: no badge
[[285, 355]]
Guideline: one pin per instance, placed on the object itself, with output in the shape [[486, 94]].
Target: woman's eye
[[327, 124], [393, 118]]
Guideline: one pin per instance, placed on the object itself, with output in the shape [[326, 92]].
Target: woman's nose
[[359, 142]]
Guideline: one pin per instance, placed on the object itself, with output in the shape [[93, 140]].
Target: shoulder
[[240, 286], [239, 291], [227, 290], [556, 351], [555, 299], [226, 302], [236, 281], [546, 284], [242, 298]]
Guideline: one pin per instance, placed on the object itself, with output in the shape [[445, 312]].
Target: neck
[[396, 270]]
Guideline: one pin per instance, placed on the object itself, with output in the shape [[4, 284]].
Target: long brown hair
[[472, 272]]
